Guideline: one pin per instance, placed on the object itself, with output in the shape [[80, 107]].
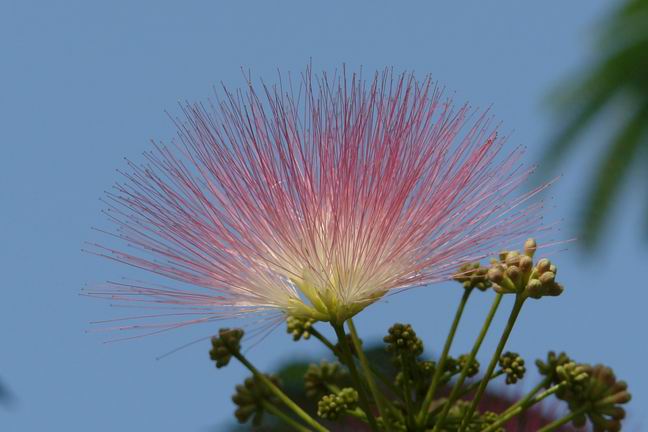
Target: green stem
[[280, 394], [350, 362], [464, 372], [282, 416], [429, 396], [407, 392], [562, 421], [520, 407], [517, 307], [529, 396], [323, 339], [366, 369], [385, 381], [469, 389]]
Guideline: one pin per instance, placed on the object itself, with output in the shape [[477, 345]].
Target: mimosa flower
[[315, 200]]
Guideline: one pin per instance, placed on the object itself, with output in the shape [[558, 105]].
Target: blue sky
[[84, 84]]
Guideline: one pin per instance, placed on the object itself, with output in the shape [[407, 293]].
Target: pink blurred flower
[[315, 200]]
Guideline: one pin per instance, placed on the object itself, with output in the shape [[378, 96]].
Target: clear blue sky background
[[85, 83]]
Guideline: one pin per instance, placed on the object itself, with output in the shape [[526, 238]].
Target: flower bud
[[227, 343], [512, 258], [299, 327], [530, 247], [473, 368], [496, 275], [249, 399], [547, 278], [402, 339], [333, 406], [543, 265], [526, 264], [512, 365]]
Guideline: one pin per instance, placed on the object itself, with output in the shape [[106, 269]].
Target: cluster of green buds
[[512, 364], [250, 398], [333, 406], [483, 421], [320, 379], [402, 340], [299, 327], [549, 367], [515, 273], [473, 368], [573, 376], [591, 391], [473, 275], [598, 397], [226, 344]]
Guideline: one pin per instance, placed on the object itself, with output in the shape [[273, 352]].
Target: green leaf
[[613, 169]]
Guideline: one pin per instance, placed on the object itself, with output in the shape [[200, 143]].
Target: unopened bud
[[543, 265], [547, 278], [513, 273], [513, 258], [534, 288], [526, 263], [530, 247], [495, 274]]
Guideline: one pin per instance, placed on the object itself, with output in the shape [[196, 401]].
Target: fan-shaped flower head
[[316, 199]]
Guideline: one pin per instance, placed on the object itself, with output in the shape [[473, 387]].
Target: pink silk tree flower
[[315, 200]]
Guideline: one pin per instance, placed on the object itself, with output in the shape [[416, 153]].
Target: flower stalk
[[424, 413], [348, 360], [456, 389], [280, 394], [515, 311]]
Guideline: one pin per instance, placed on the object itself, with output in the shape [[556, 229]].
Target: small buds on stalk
[[319, 378], [596, 389], [574, 377], [333, 406], [298, 327], [473, 275], [473, 369], [250, 397], [402, 340], [549, 368], [227, 343], [512, 365], [515, 273], [483, 421]]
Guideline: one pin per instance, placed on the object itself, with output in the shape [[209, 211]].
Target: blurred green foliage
[[617, 83]]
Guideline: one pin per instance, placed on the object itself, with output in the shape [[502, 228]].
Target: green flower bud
[[548, 369], [512, 365], [530, 247], [333, 406], [543, 265], [597, 389], [402, 340], [526, 264], [473, 369], [227, 343], [472, 275], [515, 274], [574, 376], [299, 327], [249, 398]]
